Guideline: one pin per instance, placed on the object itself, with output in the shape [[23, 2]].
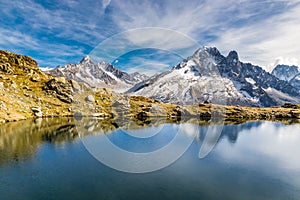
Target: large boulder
[[90, 98], [61, 88], [37, 111]]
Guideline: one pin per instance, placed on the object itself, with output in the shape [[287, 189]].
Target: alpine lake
[[67, 158]]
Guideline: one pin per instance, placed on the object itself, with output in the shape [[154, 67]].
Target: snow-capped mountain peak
[[86, 58], [208, 75], [203, 62]]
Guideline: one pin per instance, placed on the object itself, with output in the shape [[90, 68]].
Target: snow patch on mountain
[[250, 80]]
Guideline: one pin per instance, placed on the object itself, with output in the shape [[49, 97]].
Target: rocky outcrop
[[60, 88], [27, 92], [6, 68], [16, 64]]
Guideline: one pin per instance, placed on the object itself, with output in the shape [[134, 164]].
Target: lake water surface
[[49, 159]]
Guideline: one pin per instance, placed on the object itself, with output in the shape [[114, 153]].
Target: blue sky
[[56, 32]]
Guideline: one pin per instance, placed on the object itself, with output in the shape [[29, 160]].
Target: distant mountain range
[[206, 76], [98, 75], [291, 74]]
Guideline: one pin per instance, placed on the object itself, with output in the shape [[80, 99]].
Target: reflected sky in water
[[271, 148], [255, 160]]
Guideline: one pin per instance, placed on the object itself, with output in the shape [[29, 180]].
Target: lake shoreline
[[202, 112]]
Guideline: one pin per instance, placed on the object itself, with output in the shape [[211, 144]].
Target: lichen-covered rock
[[157, 110], [290, 105], [142, 115]]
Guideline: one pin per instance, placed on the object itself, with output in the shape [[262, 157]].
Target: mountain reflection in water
[[20, 140]]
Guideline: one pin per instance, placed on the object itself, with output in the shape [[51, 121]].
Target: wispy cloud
[[26, 44], [138, 39], [69, 28]]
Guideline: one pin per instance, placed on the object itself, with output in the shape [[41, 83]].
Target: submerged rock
[[78, 115]]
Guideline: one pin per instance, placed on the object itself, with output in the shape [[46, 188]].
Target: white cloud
[[105, 3], [185, 17], [264, 42], [285, 61], [149, 68]]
